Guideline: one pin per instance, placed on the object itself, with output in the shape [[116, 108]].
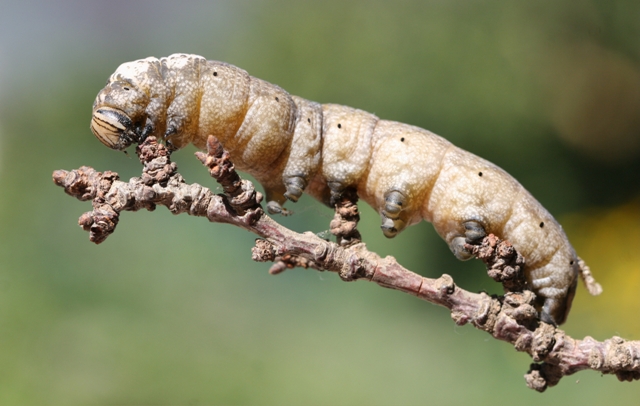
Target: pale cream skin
[[290, 144]]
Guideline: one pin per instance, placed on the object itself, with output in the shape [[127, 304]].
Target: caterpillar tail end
[[593, 287]]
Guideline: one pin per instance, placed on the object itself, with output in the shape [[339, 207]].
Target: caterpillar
[[291, 145]]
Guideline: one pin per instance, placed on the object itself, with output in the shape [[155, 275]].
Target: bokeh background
[[171, 309]]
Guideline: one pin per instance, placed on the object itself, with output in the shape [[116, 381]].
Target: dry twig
[[511, 318]]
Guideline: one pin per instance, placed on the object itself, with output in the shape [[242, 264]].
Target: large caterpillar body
[[291, 145]]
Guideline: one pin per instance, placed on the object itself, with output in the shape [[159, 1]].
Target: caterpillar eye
[[112, 127]]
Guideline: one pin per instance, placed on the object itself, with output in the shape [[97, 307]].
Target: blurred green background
[[171, 309]]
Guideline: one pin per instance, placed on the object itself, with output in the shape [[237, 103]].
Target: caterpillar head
[[114, 128], [119, 117]]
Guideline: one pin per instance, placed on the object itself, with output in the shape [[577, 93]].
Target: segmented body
[[290, 144]]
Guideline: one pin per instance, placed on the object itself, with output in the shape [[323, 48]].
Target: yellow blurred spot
[[609, 242]]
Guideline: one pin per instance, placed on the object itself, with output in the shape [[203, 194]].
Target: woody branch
[[511, 317]]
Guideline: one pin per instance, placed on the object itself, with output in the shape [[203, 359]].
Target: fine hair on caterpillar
[[291, 145]]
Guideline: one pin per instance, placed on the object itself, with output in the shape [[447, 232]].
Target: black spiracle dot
[[215, 73], [541, 224], [125, 88], [308, 120], [402, 139], [570, 262], [277, 99], [339, 125], [479, 173]]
